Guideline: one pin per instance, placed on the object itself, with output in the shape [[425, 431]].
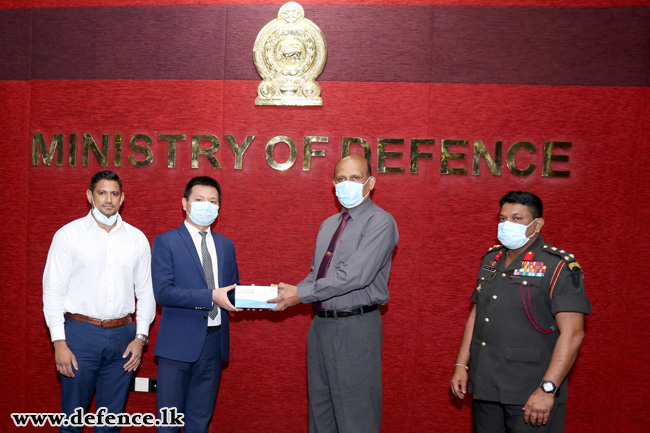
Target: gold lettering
[[72, 159], [510, 158], [549, 157], [239, 150], [89, 143], [345, 151], [208, 153], [141, 149], [445, 156], [416, 154], [38, 143], [171, 147], [494, 165], [118, 150], [308, 152], [293, 152], [382, 154]]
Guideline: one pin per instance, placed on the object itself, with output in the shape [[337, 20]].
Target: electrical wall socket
[[143, 384]]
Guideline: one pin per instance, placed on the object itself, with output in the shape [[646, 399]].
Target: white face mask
[[203, 213], [350, 194], [513, 235], [100, 217]]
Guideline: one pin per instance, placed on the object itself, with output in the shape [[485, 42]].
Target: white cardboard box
[[255, 296]]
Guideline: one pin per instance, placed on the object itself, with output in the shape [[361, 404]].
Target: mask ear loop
[[534, 232]]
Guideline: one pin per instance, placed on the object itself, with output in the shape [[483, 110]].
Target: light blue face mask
[[513, 235], [100, 217], [203, 213], [350, 194]]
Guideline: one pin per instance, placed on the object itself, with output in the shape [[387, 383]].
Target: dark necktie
[[208, 271], [322, 270]]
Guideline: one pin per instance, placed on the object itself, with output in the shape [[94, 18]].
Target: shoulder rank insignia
[[559, 252], [494, 248]]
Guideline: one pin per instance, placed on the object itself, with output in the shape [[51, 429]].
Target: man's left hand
[[287, 297], [538, 407], [135, 349]]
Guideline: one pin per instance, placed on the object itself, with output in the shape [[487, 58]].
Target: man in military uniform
[[524, 331]]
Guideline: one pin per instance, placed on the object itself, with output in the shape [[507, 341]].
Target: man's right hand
[[65, 360], [459, 382], [220, 297]]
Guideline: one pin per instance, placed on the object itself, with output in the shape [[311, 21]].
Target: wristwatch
[[145, 339], [548, 387]]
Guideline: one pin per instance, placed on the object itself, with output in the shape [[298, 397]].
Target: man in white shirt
[[95, 266]]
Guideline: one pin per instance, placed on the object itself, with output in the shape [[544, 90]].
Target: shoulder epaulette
[[564, 255], [494, 248]]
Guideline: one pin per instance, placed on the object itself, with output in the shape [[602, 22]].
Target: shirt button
[[483, 343], [482, 278], [525, 282], [494, 296], [486, 320], [503, 275]]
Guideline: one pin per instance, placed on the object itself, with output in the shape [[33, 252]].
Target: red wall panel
[[446, 221], [15, 254]]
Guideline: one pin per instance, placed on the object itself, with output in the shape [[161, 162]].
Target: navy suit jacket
[[180, 287]]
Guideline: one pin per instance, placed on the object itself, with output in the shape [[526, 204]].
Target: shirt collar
[[358, 210], [193, 230]]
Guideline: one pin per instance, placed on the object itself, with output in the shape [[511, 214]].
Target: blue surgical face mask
[[203, 213], [100, 217], [350, 194], [513, 235]]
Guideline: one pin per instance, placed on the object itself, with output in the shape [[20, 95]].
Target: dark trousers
[[494, 417], [344, 374], [101, 369], [191, 387]]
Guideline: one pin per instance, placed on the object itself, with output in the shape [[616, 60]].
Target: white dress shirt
[[95, 273], [196, 237]]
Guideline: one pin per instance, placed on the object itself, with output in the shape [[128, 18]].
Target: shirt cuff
[[142, 329], [57, 332], [570, 304], [303, 290]]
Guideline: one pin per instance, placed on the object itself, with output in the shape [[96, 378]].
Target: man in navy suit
[[193, 271]]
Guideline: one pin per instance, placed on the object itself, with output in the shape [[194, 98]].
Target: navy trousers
[[191, 387], [101, 370]]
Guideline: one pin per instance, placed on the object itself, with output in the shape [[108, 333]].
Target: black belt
[[347, 313], [212, 329]]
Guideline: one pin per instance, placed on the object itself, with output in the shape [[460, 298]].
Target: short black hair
[[104, 175], [530, 200], [201, 180], [367, 162]]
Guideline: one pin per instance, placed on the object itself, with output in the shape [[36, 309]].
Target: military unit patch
[[531, 269], [574, 265]]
